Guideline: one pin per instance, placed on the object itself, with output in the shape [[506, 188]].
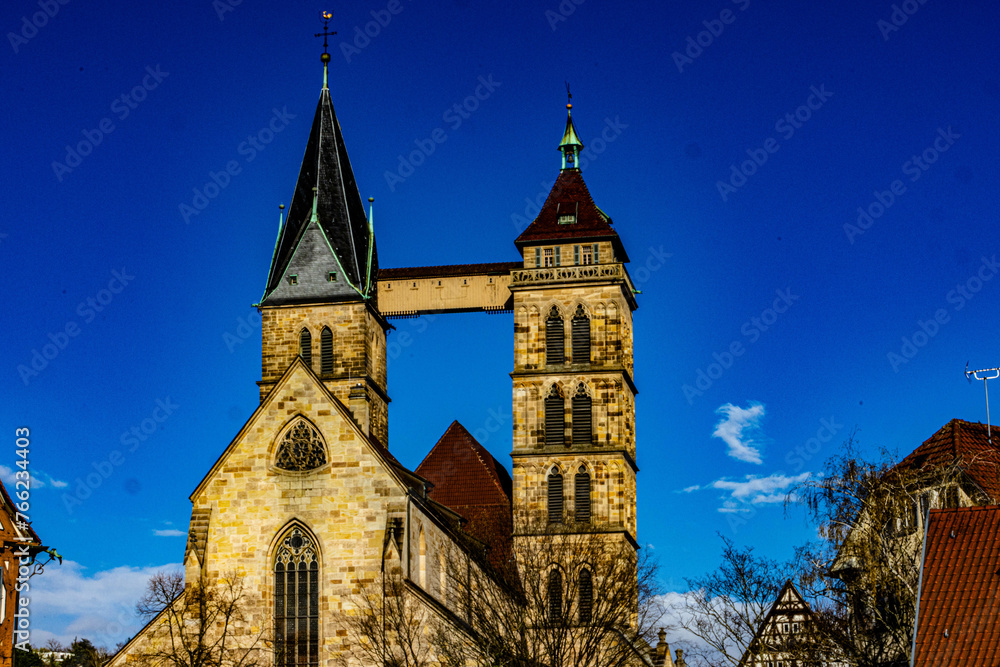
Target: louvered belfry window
[[296, 601], [555, 418], [555, 336], [581, 337], [555, 596], [326, 351], [582, 424], [581, 496], [586, 596], [305, 346], [555, 497]]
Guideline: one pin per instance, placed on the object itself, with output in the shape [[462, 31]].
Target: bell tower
[[320, 301], [574, 396]]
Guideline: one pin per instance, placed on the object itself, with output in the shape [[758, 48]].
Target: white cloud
[[737, 429], [690, 488], [755, 490], [696, 650], [38, 478], [66, 602], [169, 532]]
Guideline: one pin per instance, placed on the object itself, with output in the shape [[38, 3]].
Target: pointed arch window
[[586, 596], [555, 336], [326, 351], [581, 336], [305, 346], [581, 496], [302, 448], [555, 417], [555, 596], [296, 601], [582, 420], [555, 496]]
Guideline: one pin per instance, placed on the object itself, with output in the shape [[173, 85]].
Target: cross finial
[[326, 16]]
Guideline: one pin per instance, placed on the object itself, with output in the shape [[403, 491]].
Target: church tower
[[320, 300], [574, 396]]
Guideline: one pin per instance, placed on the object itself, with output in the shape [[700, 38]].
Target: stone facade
[[605, 375], [358, 355]]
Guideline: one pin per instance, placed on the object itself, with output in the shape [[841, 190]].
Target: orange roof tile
[[570, 196], [964, 443], [958, 617], [468, 480]]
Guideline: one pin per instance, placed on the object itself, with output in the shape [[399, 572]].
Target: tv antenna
[[984, 374]]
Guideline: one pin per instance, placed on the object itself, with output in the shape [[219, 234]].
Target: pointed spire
[[571, 144], [325, 250]]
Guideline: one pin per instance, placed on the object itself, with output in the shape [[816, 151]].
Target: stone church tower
[[320, 299], [574, 397], [308, 506]]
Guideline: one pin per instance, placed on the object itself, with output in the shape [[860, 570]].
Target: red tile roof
[[569, 196], [958, 618], [449, 270], [468, 480], [967, 445]]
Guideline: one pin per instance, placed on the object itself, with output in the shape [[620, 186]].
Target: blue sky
[[807, 192]]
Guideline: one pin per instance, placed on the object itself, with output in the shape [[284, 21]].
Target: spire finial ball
[[325, 58]]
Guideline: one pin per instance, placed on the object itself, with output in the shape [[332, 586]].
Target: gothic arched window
[[581, 336], [305, 346], [301, 448], [555, 497], [581, 496], [296, 601], [555, 418], [555, 596], [586, 596], [555, 336], [326, 351], [582, 430]]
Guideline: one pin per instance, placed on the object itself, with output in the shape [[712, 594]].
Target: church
[[307, 504]]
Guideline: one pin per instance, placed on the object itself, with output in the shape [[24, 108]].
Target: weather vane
[[326, 16], [569, 97], [984, 374]]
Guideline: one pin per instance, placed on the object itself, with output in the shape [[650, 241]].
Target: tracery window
[[296, 601], [301, 449]]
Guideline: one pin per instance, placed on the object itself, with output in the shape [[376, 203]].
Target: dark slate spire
[[326, 249]]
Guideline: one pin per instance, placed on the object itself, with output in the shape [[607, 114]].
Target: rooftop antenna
[[984, 374]]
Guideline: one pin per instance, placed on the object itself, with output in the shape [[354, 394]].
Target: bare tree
[[724, 608], [199, 625], [863, 572], [388, 625], [566, 599]]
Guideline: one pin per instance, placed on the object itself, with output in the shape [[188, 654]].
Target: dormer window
[[567, 219], [331, 277], [293, 279]]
